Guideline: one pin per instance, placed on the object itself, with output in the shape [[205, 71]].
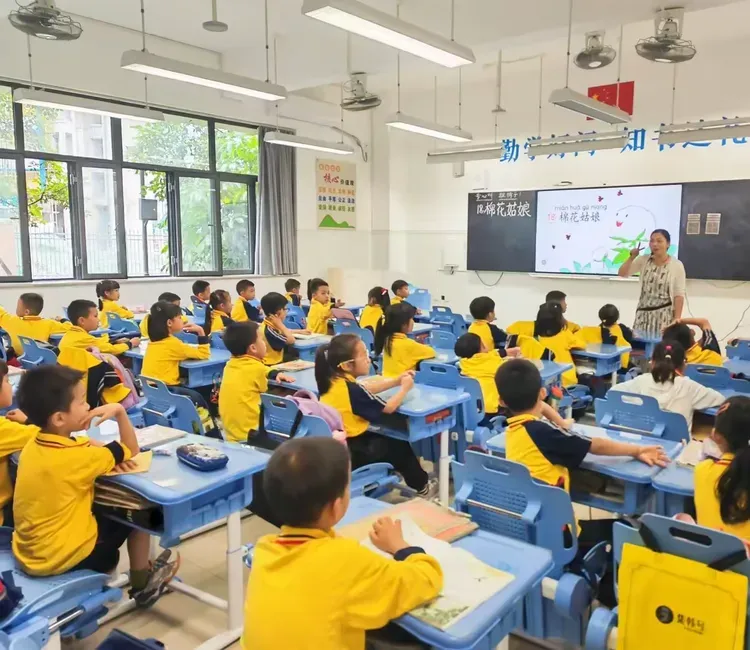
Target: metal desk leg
[[445, 464], [614, 379]]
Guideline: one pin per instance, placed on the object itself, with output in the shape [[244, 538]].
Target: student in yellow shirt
[[27, 321], [245, 378], [14, 434], [55, 528], [706, 351], [277, 337], [482, 310], [218, 312], [84, 318], [551, 332], [167, 296], [333, 589], [560, 298], [201, 293], [320, 306], [243, 309], [337, 367], [373, 314], [400, 353], [108, 293], [400, 289], [722, 485], [292, 288]]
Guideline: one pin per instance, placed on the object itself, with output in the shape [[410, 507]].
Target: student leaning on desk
[[27, 321], [706, 351], [331, 591]]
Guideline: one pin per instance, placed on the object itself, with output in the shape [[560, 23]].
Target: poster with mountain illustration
[[337, 194], [592, 231]]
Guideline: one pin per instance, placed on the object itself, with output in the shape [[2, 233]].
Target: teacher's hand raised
[[636, 252]]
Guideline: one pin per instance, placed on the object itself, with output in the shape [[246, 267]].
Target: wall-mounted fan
[[41, 18], [667, 45]]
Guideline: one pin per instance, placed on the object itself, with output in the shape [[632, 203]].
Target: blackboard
[[722, 256], [501, 231]]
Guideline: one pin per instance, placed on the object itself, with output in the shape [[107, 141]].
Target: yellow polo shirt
[[405, 354], [115, 307], [707, 475], [245, 378], [13, 438], [483, 367], [80, 339], [318, 317], [33, 327], [162, 358]]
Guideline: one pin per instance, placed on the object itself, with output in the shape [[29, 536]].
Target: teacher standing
[[662, 284]]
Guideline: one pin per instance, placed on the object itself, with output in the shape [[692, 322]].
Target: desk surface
[[421, 328], [738, 366], [527, 563], [622, 467], [676, 479], [217, 357], [601, 351], [552, 370], [727, 393], [312, 342]]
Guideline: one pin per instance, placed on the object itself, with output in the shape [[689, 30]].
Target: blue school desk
[[645, 341], [635, 476], [55, 339], [605, 356], [308, 347], [492, 621], [420, 330], [727, 393], [198, 373], [190, 499], [552, 371], [674, 485], [738, 366]]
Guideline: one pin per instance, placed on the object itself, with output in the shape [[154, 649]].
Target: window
[[11, 257], [50, 232], [236, 240], [99, 221], [146, 222], [7, 135], [237, 150], [197, 242], [72, 133], [176, 142]]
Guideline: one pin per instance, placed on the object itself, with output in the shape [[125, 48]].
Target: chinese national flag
[[607, 94]]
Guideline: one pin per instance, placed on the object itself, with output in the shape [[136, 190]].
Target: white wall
[[427, 207]]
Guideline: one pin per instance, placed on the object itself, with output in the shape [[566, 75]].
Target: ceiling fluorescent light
[[423, 127], [289, 140], [738, 127], [463, 154], [30, 96], [161, 66], [578, 103], [361, 19], [578, 143]]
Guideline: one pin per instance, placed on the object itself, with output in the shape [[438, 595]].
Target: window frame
[[75, 166]]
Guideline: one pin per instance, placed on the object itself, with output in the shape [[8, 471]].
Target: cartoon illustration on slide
[[593, 230]]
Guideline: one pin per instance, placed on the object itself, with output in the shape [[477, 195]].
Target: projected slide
[[593, 230]]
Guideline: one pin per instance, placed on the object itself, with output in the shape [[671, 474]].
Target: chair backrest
[[739, 351], [716, 377], [186, 337], [440, 375], [350, 326], [473, 409], [502, 498], [420, 298], [295, 318], [441, 314], [338, 312], [217, 340], [639, 414], [292, 323], [35, 355], [442, 339], [199, 313], [294, 310], [281, 416], [119, 325], [168, 409]]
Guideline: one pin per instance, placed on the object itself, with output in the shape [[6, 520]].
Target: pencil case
[[202, 457]]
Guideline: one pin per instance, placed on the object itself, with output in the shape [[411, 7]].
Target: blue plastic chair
[[119, 325], [292, 324], [168, 409], [716, 377], [374, 480], [501, 497], [442, 339], [639, 414], [347, 326], [739, 351], [199, 313], [445, 319], [217, 340], [35, 355], [187, 337], [281, 413], [421, 299]]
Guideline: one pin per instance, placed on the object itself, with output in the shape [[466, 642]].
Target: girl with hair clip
[[551, 331], [337, 367], [108, 293], [667, 383], [400, 353], [378, 300], [218, 312]]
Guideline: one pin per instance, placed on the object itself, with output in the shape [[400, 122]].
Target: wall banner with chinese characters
[[336, 194], [501, 231]]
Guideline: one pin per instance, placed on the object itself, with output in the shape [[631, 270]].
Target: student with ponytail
[[108, 294], [722, 486], [667, 383], [400, 353], [337, 367], [218, 312], [373, 314]]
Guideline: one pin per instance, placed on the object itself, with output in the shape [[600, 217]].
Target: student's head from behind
[[29, 304], [668, 361], [659, 242], [107, 290], [164, 319], [378, 296], [400, 288], [732, 434], [468, 345], [549, 319], [220, 300], [482, 308], [242, 339], [307, 482], [6, 390], [346, 354], [399, 319], [202, 290], [54, 399], [274, 304], [84, 314], [168, 296], [318, 290], [558, 297], [609, 315], [246, 289], [519, 385], [681, 333], [292, 286]]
